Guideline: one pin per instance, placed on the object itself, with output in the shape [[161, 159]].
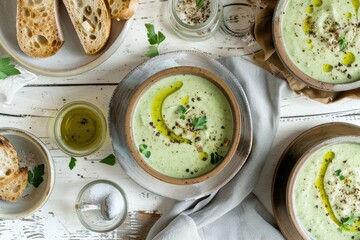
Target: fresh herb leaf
[[199, 3], [142, 148], [182, 110], [147, 154], [109, 160], [215, 158], [342, 43], [72, 163], [7, 69], [348, 222], [154, 39], [199, 123], [337, 172], [152, 51], [35, 176], [342, 177]]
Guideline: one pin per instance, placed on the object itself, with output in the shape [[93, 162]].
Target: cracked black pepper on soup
[[183, 126], [322, 38]]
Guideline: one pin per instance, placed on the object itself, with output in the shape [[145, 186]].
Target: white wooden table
[[35, 105]]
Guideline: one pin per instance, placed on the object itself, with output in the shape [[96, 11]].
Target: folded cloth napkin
[[10, 85], [268, 59], [234, 212]]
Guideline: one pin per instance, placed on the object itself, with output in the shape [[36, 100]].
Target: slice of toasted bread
[[38, 28], [92, 23], [9, 161], [123, 9], [15, 188]]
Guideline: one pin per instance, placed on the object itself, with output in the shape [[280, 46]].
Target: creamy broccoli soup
[[323, 38], [183, 126], [327, 193]]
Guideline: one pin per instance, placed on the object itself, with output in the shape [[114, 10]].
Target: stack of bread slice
[[39, 32], [13, 179]]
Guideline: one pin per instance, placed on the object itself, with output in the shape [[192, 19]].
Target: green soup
[[183, 126], [322, 38], [327, 193]]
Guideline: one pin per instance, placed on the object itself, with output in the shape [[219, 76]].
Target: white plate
[[71, 58], [32, 152], [119, 103]]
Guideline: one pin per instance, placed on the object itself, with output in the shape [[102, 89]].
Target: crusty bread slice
[[92, 22], [123, 9], [38, 28], [15, 188], [9, 161]]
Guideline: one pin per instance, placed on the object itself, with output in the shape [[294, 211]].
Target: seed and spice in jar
[[195, 19]]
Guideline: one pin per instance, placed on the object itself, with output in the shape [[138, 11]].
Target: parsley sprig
[[109, 160], [7, 69], [154, 39], [199, 123], [181, 110], [347, 222], [343, 43], [35, 176]]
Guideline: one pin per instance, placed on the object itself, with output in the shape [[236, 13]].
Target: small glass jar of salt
[[101, 206], [195, 20]]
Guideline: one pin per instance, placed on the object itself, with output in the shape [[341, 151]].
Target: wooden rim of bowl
[[289, 197], [220, 84], [289, 64]]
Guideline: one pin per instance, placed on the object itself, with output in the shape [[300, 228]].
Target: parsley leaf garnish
[[199, 3], [182, 110], [142, 149], [337, 172], [109, 160], [72, 163], [154, 39], [35, 176], [215, 158], [342, 43], [199, 123], [7, 69], [348, 222]]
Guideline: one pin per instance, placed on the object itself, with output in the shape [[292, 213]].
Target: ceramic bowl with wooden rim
[[318, 42], [182, 125], [323, 190]]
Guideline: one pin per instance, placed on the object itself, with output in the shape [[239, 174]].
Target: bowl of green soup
[[318, 42], [182, 125], [323, 190]]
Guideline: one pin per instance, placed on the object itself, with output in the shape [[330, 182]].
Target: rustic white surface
[[34, 106]]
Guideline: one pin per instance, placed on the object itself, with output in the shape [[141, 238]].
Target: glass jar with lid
[[195, 20]]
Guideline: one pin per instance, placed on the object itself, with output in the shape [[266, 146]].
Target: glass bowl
[[93, 193], [79, 128], [195, 30]]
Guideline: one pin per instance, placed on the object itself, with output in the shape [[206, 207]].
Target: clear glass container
[[80, 128], [198, 30], [95, 192]]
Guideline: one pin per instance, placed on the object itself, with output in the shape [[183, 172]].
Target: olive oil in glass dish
[[79, 128]]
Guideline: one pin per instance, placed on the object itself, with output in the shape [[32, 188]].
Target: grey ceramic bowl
[[71, 58], [32, 152]]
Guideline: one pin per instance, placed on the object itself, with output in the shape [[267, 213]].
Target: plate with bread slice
[[27, 173], [63, 37]]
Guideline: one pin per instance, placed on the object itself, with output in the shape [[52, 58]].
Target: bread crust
[[13, 190], [92, 22], [123, 9], [9, 161], [38, 29]]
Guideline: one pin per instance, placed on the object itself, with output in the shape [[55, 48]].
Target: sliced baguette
[[9, 161], [123, 9], [14, 189], [38, 28], [92, 22]]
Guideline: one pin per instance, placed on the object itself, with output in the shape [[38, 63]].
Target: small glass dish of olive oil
[[79, 128]]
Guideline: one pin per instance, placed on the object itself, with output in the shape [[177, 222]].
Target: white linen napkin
[[234, 212]]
